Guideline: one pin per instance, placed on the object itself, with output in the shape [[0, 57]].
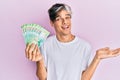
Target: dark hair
[[56, 8]]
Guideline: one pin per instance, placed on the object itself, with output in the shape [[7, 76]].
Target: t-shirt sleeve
[[86, 57], [43, 52]]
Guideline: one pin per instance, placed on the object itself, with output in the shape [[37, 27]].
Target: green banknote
[[34, 33]]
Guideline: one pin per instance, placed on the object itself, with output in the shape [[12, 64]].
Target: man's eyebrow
[[65, 14], [57, 16], [68, 15]]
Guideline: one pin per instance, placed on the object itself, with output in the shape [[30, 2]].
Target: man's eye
[[68, 18], [57, 19]]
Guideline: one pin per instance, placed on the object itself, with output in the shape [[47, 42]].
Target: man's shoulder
[[48, 42], [84, 42], [49, 39]]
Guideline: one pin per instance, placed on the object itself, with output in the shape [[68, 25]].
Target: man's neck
[[65, 38]]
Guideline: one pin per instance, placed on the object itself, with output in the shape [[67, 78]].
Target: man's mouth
[[65, 27]]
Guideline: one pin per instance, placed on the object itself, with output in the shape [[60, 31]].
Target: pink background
[[97, 21]]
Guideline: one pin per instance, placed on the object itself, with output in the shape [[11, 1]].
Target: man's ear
[[52, 24]]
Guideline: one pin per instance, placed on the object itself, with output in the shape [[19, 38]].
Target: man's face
[[62, 23]]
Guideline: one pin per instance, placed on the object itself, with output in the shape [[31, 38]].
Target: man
[[64, 56]]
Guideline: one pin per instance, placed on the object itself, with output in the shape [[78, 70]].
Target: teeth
[[65, 27]]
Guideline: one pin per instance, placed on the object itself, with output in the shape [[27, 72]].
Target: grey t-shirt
[[65, 61]]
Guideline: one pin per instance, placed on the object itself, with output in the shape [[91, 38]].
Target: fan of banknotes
[[34, 33]]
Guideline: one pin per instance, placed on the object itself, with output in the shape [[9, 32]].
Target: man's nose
[[64, 21]]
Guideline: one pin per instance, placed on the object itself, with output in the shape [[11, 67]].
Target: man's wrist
[[97, 58], [40, 60]]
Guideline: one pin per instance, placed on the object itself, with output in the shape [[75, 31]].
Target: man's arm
[[33, 53], [41, 70], [88, 73], [100, 54]]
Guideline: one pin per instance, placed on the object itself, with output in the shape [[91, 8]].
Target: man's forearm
[[88, 73], [41, 70]]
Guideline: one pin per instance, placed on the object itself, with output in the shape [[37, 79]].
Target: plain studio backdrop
[[97, 21]]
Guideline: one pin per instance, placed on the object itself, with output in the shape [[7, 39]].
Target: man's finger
[[31, 49], [115, 51], [106, 48], [26, 50], [34, 53]]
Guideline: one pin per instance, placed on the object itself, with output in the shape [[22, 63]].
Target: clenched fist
[[33, 53]]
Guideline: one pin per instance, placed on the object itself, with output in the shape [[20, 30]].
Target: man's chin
[[67, 33]]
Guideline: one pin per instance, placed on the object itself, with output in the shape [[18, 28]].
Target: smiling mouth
[[65, 27]]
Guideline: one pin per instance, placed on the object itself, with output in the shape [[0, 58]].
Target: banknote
[[34, 33]]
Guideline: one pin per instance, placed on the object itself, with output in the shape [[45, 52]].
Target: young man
[[65, 56]]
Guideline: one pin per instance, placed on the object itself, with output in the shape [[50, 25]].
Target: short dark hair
[[56, 8]]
